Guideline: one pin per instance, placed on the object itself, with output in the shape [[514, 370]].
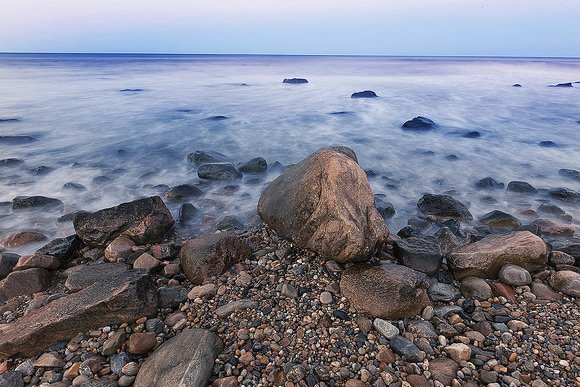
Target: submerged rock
[[443, 206], [385, 208], [11, 163], [521, 187], [255, 165], [324, 203], [218, 171], [295, 80], [516, 85], [17, 140], [566, 84], [565, 195], [472, 134], [19, 239], [364, 94], [419, 123], [500, 220], [548, 144], [489, 183], [183, 191], [198, 158], [570, 173], [187, 213], [34, 202]]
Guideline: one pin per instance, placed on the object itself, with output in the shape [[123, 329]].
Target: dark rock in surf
[[472, 134], [521, 187], [187, 213], [500, 220], [41, 171], [217, 118], [567, 84], [295, 81], [11, 163], [419, 123], [218, 171], [183, 191], [36, 202], [130, 90], [71, 186], [9, 120], [443, 206], [548, 144], [255, 165], [452, 158], [489, 183], [198, 158], [516, 85], [565, 195], [569, 173], [364, 94], [551, 209], [17, 140], [70, 217], [229, 222], [385, 208]]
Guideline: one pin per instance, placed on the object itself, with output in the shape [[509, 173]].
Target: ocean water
[[123, 145]]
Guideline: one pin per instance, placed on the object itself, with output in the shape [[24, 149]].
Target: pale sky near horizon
[[351, 27]]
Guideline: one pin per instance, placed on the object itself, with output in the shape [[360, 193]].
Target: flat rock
[[47, 262], [514, 275], [23, 282], [143, 221], [115, 300], [83, 276], [385, 328], [218, 171], [386, 291], [295, 80], [35, 202], [185, 360], [439, 292], [567, 282], [443, 206], [486, 257], [229, 308], [419, 253], [500, 220], [325, 203], [19, 239], [211, 255]]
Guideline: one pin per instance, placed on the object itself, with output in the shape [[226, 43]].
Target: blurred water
[[74, 106]]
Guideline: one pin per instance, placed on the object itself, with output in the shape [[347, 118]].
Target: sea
[[122, 126]]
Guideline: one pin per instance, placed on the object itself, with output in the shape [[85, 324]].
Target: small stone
[[516, 325], [488, 376], [49, 360], [113, 343], [428, 313], [202, 291], [514, 275], [385, 328], [141, 343], [130, 369], [125, 381], [120, 248], [476, 288], [405, 347], [386, 355], [289, 291], [146, 261], [458, 352], [325, 298]]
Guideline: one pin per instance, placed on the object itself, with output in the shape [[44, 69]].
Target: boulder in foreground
[[325, 203], [122, 298], [143, 221], [185, 360], [387, 291], [486, 257]]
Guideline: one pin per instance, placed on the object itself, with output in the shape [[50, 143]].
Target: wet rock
[[419, 253], [548, 144], [566, 84], [565, 195], [475, 288], [489, 183], [40, 171], [324, 203], [185, 360], [472, 134], [521, 187], [36, 202], [46, 262], [443, 206], [516, 85], [569, 173], [387, 291], [551, 209], [229, 222], [83, 276], [255, 165], [198, 158], [385, 208], [17, 140], [500, 220], [364, 94], [439, 292], [7, 262], [120, 248], [187, 213], [23, 282], [211, 255], [143, 221], [71, 186], [554, 228], [62, 248], [218, 171], [11, 163], [486, 257], [567, 282], [294, 80], [514, 275], [183, 191], [404, 347], [419, 123], [19, 239]]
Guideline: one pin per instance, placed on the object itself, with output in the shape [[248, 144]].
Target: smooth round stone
[[385, 328], [514, 275], [458, 352], [130, 369], [326, 298]]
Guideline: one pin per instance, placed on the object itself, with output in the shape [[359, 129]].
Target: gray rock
[[385, 328], [11, 379], [171, 296], [204, 157], [23, 282], [404, 347], [62, 248], [36, 202], [185, 360], [231, 307], [419, 253], [83, 276], [7, 263], [514, 275], [183, 191], [256, 165], [218, 171], [118, 361], [565, 195], [439, 292], [229, 222], [521, 187], [421, 328], [561, 258]]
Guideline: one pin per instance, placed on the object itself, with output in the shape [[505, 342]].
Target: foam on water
[[83, 109]]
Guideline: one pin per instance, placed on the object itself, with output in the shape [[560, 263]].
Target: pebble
[[385, 328]]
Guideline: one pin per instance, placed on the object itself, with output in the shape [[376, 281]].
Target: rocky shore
[[316, 292]]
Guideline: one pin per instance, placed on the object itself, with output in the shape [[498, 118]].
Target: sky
[[324, 27]]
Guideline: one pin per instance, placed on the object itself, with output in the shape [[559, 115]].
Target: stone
[[23, 282], [439, 292], [565, 195], [295, 80], [500, 220], [567, 282], [488, 376], [385, 208], [187, 213], [49, 360], [544, 292], [229, 308], [7, 263], [62, 248], [326, 298], [146, 261], [325, 204], [405, 347], [229, 222], [228, 381], [208, 290], [569, 173], [502, 290], [19, 239], [387, 291], [185, 360], [489, 183], [458, 352], [46, 262], [11, 378], [211, 255], [119, 249], [141, 343], [204, 157], [364, 94], [183, 191], [551, 209], [419, 123], [386, 355], [113, 343], [173, 319], [475, 288], [416, 381], [521, 187], [422, 329], [561, 258], [554, 228], [514, 275], [83, 276], [255, 165], [122, 298], [419, 253], [443, 206], [486, 257], [11, 162], [218, 171], [443, 370], [143, 221], [385, 328], [171, 296], [36, 202]]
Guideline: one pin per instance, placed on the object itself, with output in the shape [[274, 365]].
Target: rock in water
[[122, 298], [500, 220], [419, 253], [207, 157], [443, 206], [387, 291], [211, 255], [218, 171], [364, 94], [295, 81], [419, 123], [255, 165], [35, 202], [185, 360], [325, 203], [486, 257], [143, 221]]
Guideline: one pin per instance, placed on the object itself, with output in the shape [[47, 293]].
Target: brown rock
[[230, 381], [443, 370], [503, 290], [355, 383], [486, 257], [476, 288], [73, 371], [567, 282], [23, 282], [386, 355], [211, 255], [113, 343], [202, 291], [325, 203], [544, 292], [143, 221], [418, 381], [146, 261], [49, 360], [141, 343], [47, 262], [19, 239], [550, 227], [388, 291], [120, 248], [115, 300]]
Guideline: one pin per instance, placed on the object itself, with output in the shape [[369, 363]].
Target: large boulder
[[386, 291], [211, 255], [143, 221], [443, 206], [115, 300], [185, 360], [325, 203], [486, 257]]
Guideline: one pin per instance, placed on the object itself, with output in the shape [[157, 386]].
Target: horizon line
[[287, 54]]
